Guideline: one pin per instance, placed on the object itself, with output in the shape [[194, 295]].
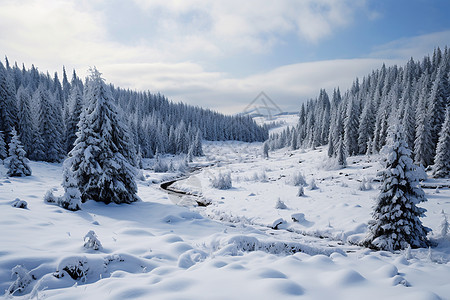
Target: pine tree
[[341, 151], [48, 139], [366, 125], [351, 128], [65, 86], [441, 166], [396, 222], [75, 108], [409, 124], [197, 146], [3, 153], [266, 149], [437, 102], [341, 154], [25, 119], [103, 159], [71, 199], [17, 163], [423, 143], [8, 111]]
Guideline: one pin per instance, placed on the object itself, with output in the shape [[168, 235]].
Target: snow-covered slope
[[281, 121], [228, 250]]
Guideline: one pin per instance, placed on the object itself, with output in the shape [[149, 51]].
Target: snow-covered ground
[[281, 121], [227, 250]]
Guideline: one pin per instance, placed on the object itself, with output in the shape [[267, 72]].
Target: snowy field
[[244, 245]]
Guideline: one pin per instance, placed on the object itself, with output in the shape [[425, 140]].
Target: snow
[[227, 250]]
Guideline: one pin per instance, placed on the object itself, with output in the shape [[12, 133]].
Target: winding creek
[[183, 198]]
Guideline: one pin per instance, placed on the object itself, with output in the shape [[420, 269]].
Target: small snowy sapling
[[91, 241], [280, 204], [49, 197], [19, 203], [222, 181], [298, 179], [365, 185], [71, 199], [22, 281], [301, 191], [313, 185]]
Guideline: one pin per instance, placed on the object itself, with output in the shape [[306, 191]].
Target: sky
[[222, 54]]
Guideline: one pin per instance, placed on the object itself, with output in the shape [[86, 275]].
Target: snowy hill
[[278, 122], [241, 246]]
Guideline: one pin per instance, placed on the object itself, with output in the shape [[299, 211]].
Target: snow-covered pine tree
[[441, 166], [266, 150], [198, 148], [102, 158], [341, 155], [423, 143], [366, 126], [341, 151], [437, 101], [351, 127], [409, 124], [3, 153], [331, 149], [75, 108], [8, 111], [48, 139], [65, 85], [71, 199], [17, 163], [396, 222], [25, 127]]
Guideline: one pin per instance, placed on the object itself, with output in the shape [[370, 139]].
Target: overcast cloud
[[182, 48]]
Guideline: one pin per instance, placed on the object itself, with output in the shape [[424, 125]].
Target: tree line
[[45, 111]]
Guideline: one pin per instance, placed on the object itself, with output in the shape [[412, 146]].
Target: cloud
[[254, 25], [175, 52], [416, 46], [288, 85]]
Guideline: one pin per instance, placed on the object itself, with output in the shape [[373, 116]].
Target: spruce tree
[[71, 200], [17, 163], [198, 148], [423, 145], [438, 99], [103, 157], [75, 108], [25, 119], [409, 124], [331, 149], [8, 111], [351, 128], [3, 153], [396, 224], [266, 149], [341, 153], [65, 86], [441, 166], [366, 126], [48, 139]]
